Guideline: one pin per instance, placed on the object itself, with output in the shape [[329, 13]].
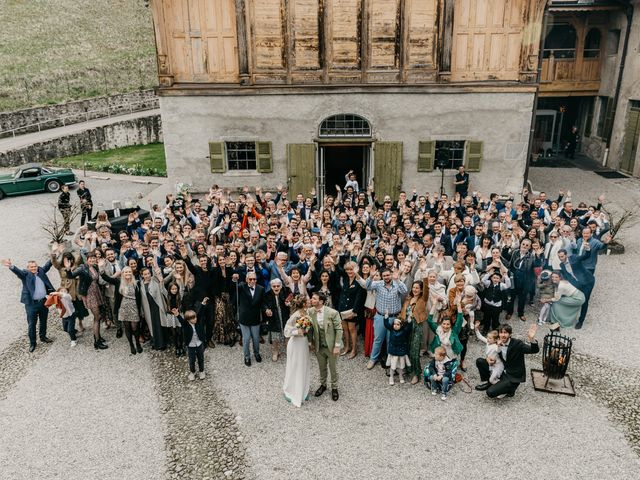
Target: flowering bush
[[132, 170]]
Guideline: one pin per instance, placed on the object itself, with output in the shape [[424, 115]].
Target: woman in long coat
[[153, 301]]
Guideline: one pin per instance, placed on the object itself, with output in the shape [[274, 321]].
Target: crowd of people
[[405, 282]]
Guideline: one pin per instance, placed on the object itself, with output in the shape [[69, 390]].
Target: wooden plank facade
[[345, 42]]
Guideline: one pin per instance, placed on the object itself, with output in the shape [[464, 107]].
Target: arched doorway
[[344, 142]]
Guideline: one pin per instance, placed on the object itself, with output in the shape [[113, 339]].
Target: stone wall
[[52, 116], [139, 131], [629, 90], [500, 120]]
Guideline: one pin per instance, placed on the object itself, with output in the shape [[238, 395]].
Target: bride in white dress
[[298, 371]]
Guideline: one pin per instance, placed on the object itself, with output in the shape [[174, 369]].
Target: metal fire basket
[[556, 353]]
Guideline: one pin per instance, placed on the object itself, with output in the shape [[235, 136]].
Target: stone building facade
[[298, 92]]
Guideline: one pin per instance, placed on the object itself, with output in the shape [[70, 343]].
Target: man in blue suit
[[574, 270], [589, 243], [35, 288]]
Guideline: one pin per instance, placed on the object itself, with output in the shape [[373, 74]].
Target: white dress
[[297, 377]]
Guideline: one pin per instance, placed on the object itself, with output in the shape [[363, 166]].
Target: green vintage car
[[33, 177]]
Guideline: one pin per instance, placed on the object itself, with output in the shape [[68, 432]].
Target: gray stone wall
[[629, 90], [500, 120], [43, 118], [139, 131]]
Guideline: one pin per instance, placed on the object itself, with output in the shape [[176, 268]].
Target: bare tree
[[55, 225]]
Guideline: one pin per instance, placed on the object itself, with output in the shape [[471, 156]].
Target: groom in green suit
[[327, 341]]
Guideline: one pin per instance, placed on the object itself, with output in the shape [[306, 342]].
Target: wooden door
[[301, 168], [631, 139], [387, 178]]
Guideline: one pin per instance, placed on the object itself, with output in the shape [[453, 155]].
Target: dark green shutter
[[610, 113], [589, 122], [473, 156], [426, 155], [265, 162], [216, 157], [387, 157]]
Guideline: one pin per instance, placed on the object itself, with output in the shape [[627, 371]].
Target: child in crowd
[[495, 284], [194, 338], [64, 303], [470, 303], [491, 353], [398, 347], [546, 290], [350, 178], [440, 373]]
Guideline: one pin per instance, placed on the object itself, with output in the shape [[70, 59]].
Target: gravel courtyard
[[85, 414]]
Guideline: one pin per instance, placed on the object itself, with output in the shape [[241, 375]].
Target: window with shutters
[[451, 151], [241, 155]]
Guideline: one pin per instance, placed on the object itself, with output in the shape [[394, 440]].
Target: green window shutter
[[265, 162], [589, 122], [473, 156], [608, 121], [216, 157], [426, 155]]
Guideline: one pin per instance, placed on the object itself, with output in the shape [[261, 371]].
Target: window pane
[[453, 150], [241, 155], [345, 125]]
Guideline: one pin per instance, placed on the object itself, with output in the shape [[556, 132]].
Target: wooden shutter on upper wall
[[202, 40], [265, 161], [343, 52], [267, 20], [473, 155], [426, 156], [487, 38], [384, 29], [305, 39], [422, 39], [216, 157]]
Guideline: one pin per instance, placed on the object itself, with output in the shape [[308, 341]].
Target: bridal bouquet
[[304, 324]]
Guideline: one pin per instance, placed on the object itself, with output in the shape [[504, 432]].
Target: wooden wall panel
[[267, 26], [486, 39], [202, 40], [344, 22], [384, 34], [306, 40], [422, 33]]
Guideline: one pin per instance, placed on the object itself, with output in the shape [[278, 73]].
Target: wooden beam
[[446, 37], [403, 34], [364, 39], [287, 36], [327, 50], [241, 31], [160, 27], [322, 49]]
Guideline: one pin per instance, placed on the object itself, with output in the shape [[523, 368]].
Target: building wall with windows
[[497, 124], [624, 153], [420, 71]]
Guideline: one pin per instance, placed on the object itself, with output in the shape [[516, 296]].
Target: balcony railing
[[562, 65]]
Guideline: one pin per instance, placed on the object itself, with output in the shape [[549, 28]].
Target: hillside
[[57, 50]]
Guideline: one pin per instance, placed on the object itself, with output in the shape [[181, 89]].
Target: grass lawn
[[137, 160], [55, 51]]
